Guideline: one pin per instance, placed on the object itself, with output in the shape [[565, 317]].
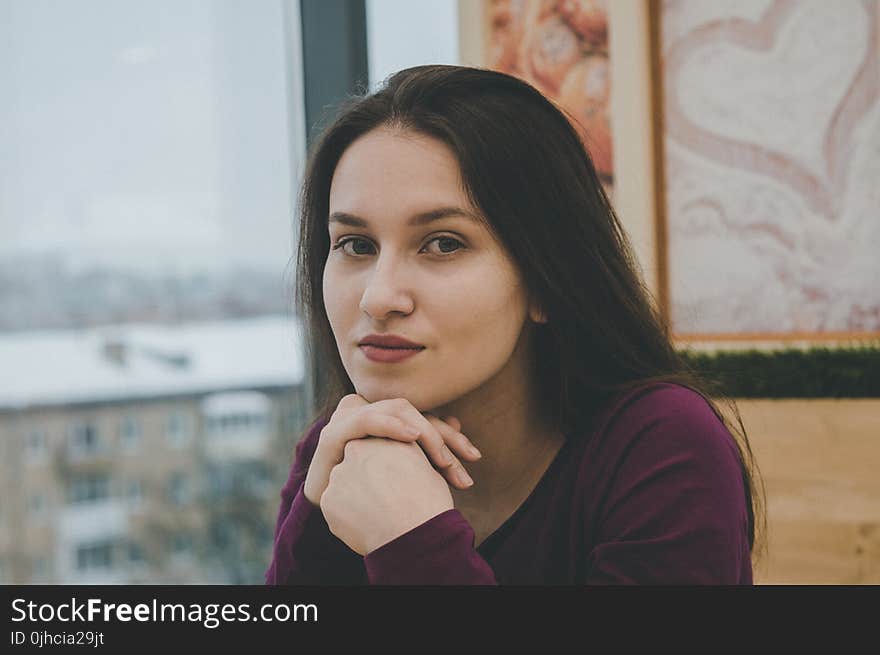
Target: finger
[[454, 422], [429, 438], [360, 424], [458, 442], [351, 401], [435, 447]]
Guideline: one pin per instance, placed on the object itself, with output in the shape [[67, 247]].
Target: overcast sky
[[143, 128], [155, 134]]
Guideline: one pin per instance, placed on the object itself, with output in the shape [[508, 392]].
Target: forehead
[[387, 170]]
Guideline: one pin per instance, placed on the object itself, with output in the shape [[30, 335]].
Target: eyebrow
[[422, 218]]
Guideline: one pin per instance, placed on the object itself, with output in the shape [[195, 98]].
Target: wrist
[[316, 502], [406, 527]]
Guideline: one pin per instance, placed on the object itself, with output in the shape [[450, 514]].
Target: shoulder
[[658, 400], [665, 492], [661, 420]]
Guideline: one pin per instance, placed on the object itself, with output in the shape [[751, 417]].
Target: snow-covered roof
[[236, 402], [145, 360]]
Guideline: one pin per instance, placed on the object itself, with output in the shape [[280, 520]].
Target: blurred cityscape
[[47, 291], [150, 362], [146, 453]]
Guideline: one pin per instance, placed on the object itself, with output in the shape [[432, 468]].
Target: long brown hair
[[527, 170]]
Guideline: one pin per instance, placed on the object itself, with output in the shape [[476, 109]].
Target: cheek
[[485, 315], [339, 294]]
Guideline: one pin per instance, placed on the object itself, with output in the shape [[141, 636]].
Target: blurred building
[[146, 453]]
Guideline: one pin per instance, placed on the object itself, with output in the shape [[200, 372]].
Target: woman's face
[[445, 284]]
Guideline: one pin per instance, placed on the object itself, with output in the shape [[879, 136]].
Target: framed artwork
[[561, 48], [769, 157]]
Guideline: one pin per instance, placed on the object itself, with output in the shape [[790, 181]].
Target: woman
[[465, 283]]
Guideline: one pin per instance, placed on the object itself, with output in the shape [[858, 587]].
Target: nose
[[385, 291]]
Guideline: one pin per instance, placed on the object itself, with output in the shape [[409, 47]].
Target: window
[[259, 481], [177, 429], [135, 553], [181, 545], [36, 448], [130, 434], [134, 493], [84, 439], [222, 535], [94, 556], [40, 569], [240, 424], [259, 421], [178, 489], [89, 488], [36, 505]]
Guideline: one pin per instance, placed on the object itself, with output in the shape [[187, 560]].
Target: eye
[[445, 241], [342, 243]]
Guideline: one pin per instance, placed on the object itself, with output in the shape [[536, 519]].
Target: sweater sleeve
[[440, 551], [304, 550], [674, 510]]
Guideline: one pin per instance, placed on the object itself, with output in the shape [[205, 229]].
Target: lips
[[388, 355], [390, 341]]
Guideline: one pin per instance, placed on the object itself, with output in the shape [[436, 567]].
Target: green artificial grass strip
[[793, 373]]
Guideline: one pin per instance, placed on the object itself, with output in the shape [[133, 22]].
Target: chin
[[376, 390]]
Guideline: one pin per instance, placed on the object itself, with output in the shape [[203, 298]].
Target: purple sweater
[[652, 493]]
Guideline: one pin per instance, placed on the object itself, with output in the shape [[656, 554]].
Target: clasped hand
[[382, 489], [372, 473]]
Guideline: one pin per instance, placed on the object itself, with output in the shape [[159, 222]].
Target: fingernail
[[465, 479], [473, 451]]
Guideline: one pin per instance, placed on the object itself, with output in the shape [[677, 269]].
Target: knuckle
[[333, 478], [448, 459], [401, 403], [350, 400], [351, 446], [326, 434], [326, 498], [433, 420]]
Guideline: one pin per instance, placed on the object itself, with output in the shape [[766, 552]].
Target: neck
[[501, 419]]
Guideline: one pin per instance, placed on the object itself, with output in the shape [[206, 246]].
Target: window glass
[[150, 155], [130, 432]]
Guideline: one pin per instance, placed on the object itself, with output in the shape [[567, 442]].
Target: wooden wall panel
[[820, 460]]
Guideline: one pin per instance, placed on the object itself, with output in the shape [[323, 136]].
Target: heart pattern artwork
[[771, 132]]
